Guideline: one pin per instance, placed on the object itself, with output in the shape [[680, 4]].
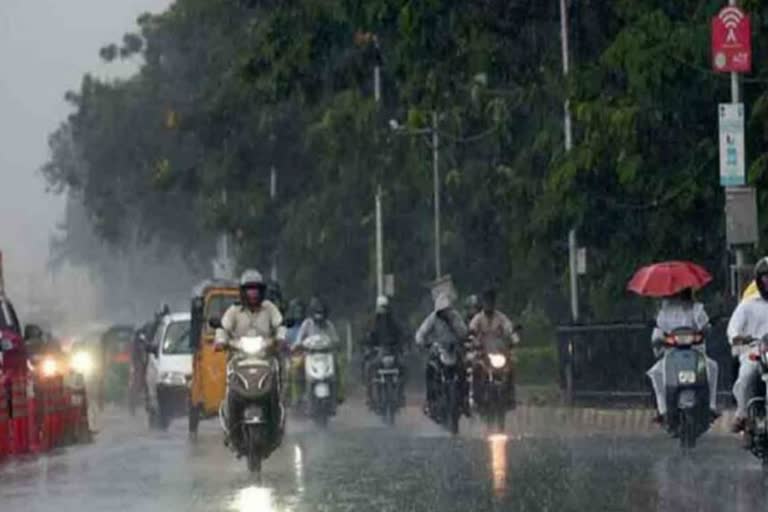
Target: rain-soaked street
[[358, 465]]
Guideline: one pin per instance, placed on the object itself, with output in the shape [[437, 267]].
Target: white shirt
[[749, 319]]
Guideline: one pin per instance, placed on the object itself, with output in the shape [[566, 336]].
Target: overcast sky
[[45, 48]]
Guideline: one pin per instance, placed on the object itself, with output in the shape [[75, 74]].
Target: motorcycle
[[756, 429], [686, 387], [253, 394], [493, 387], [319, 378], [446, 363], [386, 385]]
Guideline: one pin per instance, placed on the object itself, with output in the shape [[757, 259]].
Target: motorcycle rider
[[490, 325], [471, 308], [679, 311], [749, 323], [318, 323], [385, 333], [253, 315], [443, 326]]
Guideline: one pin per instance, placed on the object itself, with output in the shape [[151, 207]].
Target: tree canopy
[[230, 89]]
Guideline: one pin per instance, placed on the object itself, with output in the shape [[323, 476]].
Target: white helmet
[[251, 277]]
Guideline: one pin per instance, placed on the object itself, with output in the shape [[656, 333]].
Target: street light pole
[[436, 191], [568, 136]]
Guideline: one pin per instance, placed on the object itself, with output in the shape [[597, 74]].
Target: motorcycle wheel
[[687, 430], [253, 440], [389, 404], [320, 414], [193, 419], [453, 411]]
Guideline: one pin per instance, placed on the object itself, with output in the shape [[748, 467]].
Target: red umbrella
[[668, 278]]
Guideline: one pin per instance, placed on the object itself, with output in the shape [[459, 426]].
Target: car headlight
[[49, 367], [498, 360], [173, 378], [252, 345], [82, 362]]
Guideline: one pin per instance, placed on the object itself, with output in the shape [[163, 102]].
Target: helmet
[[317, 308], [248, 280], [295, 312], [761, 270], [251, 278], [472, 303], [382, 303]]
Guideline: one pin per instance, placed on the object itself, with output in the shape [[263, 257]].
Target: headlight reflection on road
[[498, 446], [255, 499], [298, 467]]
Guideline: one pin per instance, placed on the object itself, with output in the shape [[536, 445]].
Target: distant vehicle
[[116, 364], [169, 370], [386, 392], [320, 377], [209, 373]]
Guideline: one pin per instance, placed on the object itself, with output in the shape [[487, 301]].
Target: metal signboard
[[741, 216], [731, 41], [732, 152]]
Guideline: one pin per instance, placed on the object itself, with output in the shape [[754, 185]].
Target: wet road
[[359, 466]]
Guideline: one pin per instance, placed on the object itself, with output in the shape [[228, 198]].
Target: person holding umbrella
[[674, 283]]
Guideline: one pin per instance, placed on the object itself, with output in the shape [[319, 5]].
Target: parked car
[[169, 370]]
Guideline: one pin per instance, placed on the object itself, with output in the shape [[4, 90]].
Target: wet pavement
[[358, 465]]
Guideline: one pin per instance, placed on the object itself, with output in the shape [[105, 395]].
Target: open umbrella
[[668, 278]]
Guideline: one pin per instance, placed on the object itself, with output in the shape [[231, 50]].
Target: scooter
[[386, 385], [320, 378], [686, 386], [253, 395]]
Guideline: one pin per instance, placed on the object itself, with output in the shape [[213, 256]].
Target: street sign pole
[[732, 53]]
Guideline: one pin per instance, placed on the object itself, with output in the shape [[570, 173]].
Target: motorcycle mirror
[[214, 322]]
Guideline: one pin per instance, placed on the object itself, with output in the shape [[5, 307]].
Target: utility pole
[[273, 196], [379, 246], [568, 136], [436, 192]]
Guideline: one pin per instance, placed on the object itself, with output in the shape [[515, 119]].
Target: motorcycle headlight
[[252, 345], [49, 367], [173, 379], [82, 362], [498, 360], [388, 360]]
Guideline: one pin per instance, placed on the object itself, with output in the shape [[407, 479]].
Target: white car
[[169, 370]]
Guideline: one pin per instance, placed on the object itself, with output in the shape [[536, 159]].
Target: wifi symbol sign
[[731, 41]]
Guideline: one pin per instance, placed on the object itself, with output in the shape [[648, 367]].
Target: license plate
[[687, 377], [322, 390], [252, 415]]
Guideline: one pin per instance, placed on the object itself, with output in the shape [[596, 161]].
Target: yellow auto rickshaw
[[209, 368]]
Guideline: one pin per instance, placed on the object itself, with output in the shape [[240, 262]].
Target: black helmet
[[317, 308], [761, 269]]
